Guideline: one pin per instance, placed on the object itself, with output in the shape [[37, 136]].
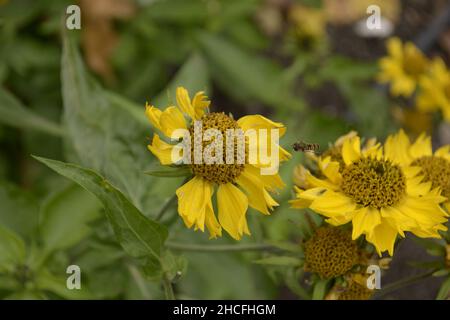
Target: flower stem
[[219, 248], [403, 282], [165, 207], [168, 289]]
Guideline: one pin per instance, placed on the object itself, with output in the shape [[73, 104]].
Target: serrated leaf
[[13, 113], [280, 261], [105, 134], [139, 236], [64, 217]]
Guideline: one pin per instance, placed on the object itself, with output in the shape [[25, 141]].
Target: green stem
[[165, 207], [168, 289], [140, 282], [219, 248], [402, 283]]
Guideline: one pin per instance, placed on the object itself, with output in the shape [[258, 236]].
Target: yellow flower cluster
[[409, 71], [382, 190]]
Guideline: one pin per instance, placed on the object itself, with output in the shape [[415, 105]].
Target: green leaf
[[434, 247], [13, 113], [64, 217], [46, 281], [105, 135], [193, 75], [281, 261], [178, 11], [18, 210], [320, 289], [12, 249], [167, 171], [246, 77], [444, 291], [139, 236]]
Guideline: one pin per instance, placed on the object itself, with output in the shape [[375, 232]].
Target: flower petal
[[200, 103], [233, 204], [153, 115], [166, 153], [170, 120], [396, 148], [184, 102], [194, 202], [351, 150], [364, 221], [383, 238], [258, 197]]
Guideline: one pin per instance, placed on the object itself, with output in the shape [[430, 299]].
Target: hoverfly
[[305, 147]]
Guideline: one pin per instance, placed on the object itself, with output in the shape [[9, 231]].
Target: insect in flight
[[305, 147]]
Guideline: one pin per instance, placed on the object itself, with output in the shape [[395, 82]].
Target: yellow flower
[[309, 22], [434, 167], [237, 185], [434, 93], [378, 196], [403, 67]]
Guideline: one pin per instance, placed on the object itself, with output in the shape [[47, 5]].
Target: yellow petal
[[331, 204], [194, 202], [351, 150], [383, 238], [397, 147], [443, 152], [153, 115], [166, 153], [257, 122], [364, 221], [184, 102], [232, 204], [170, 120], [258, 198], [200, 103], [421, 147], [214, 228], [330, 169]]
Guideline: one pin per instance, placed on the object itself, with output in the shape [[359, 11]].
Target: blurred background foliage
[[79, 96]]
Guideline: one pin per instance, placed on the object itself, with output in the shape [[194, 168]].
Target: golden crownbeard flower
[[434, 93], [238, 185], [402, 68], [434, 167], [330, 252], [381, 198]]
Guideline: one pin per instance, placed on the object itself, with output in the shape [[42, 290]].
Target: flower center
[[330, 252], [437, 171], [414, 65], [355, 291], [374, 183], [220, 173]]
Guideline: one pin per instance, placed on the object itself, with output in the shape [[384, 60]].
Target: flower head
[[434, 93], [434, 167], [216, 163], [378, 195], [330, 252], [403, 67]]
